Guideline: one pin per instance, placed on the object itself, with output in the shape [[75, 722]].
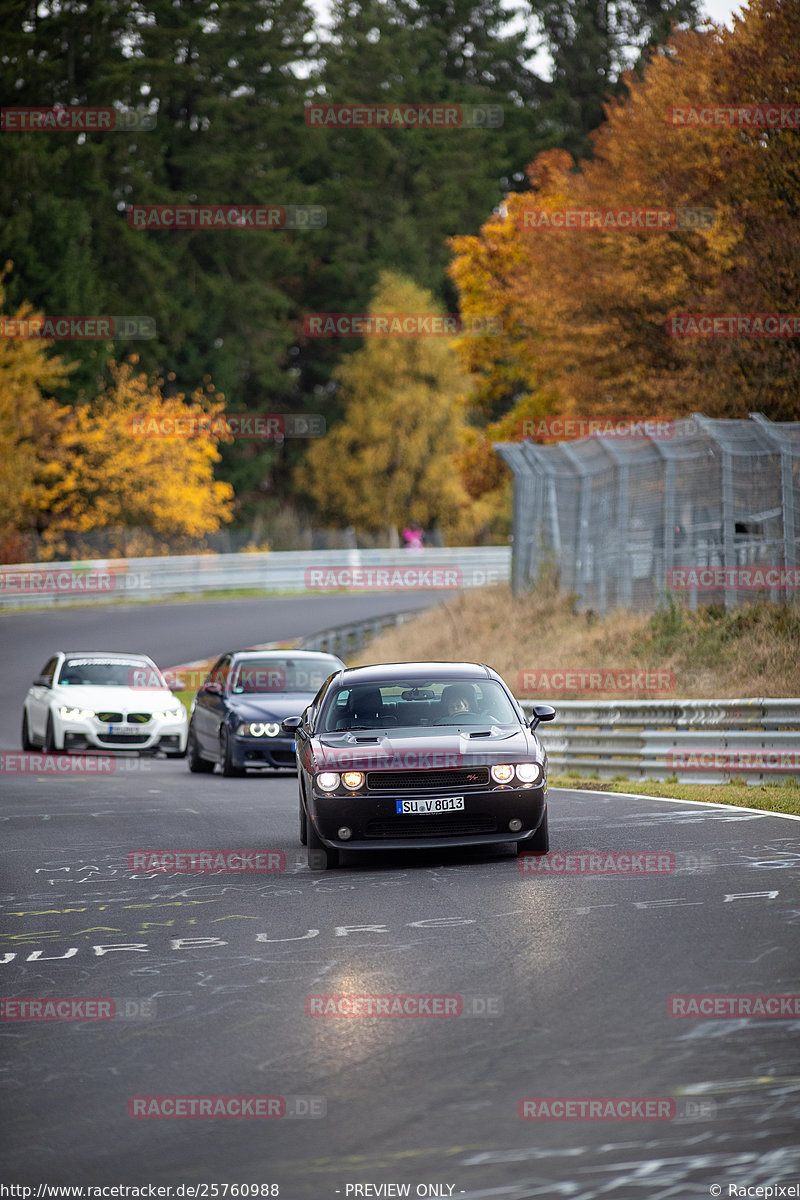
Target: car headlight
[[258, 729], [172, 714], [529, 772], [328, 781], [74, 714], [502, 773], [352, 779]]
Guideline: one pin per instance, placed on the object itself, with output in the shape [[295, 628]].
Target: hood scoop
[[370, 740], [481, 733]]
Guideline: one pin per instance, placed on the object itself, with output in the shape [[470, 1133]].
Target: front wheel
[[27, 744], [320, 856], [49, 735], [229, 769], [197, 764], [539, 843], [303, 823]]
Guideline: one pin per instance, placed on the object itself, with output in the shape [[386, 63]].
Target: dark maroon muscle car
[[418, 755]]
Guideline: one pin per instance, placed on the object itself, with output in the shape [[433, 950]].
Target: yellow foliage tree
[[75, 470], [104, 475], [392, 457]]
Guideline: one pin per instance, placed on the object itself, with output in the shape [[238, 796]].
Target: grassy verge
[[775, 797]]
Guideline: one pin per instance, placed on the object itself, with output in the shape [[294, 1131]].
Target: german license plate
[[122, 729], [441, 804]]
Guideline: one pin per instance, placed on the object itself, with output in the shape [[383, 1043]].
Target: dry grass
[[747, 652]]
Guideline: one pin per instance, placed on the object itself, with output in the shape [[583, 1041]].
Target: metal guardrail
[[349, 639], [697, 741], [317, 571]]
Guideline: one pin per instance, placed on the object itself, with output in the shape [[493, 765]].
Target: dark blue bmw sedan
[[236, 716]]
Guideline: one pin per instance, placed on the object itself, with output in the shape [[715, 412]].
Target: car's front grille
[[421, 781], [416, 827], [109, 718], [139, 718], [123, 739]]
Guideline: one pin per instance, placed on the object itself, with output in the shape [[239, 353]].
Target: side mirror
[[542, 712], [290, 724], [213, 687]]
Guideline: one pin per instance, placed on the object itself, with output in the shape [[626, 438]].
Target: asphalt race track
[[565, 978]]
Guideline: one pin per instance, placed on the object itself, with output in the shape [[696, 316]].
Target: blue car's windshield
[[259, 675], [412, 703]]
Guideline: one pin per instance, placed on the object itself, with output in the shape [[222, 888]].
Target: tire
[[539, 843], [303, 823], [320, 856], [228, 769], [27, 744], [49, 735], [197, 764]]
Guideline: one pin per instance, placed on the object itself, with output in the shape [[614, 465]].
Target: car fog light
[[515, 825], [344, 833]]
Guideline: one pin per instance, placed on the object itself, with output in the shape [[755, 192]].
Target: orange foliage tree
[[584, 312]]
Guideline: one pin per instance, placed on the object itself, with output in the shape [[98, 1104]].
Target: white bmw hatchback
[[92, 701]]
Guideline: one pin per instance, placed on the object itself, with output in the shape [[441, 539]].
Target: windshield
[[109, 672], [254, 676], [412, 703]]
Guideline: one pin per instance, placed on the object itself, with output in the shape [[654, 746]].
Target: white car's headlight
[[529, 772], [258, 729], [74, 714], [172, 714]]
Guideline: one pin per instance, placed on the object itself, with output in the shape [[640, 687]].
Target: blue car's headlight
[[258, 729]]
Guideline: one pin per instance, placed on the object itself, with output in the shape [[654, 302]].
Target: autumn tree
[[29, 422], [68, 470], [390, 459], [585, 312]]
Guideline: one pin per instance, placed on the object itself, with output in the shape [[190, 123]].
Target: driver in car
[[458, 698]]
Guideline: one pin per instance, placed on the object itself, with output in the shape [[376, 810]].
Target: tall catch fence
[[702, 508]]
